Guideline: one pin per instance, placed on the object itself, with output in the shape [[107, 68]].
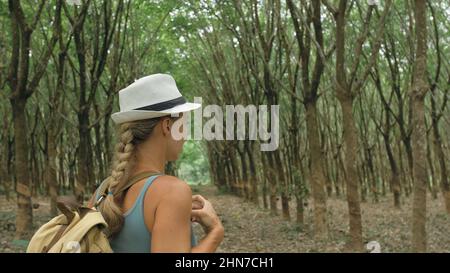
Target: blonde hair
[[130, 134]]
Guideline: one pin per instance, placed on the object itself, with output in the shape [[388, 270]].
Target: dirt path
[[252, 229]]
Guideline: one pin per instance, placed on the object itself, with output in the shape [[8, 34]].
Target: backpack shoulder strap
[[101, 193], [135, 179]]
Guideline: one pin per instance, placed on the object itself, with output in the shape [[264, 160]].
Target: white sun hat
[[150, 97]]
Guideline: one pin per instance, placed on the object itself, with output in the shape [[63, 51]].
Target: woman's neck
[[150, 157]]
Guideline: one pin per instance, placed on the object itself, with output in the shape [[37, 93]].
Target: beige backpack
[[78, 229]]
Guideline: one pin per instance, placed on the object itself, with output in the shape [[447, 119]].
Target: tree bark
[[316, 175], [24, 217], [350, 137], [417, 95]]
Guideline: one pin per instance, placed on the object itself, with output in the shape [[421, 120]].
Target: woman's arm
[[204, 213], [210, 242], [171, 228], [172, 223]]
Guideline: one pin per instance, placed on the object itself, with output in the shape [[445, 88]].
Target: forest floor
[[252, 229]]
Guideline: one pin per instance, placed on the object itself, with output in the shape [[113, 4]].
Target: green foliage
[[193, 165]]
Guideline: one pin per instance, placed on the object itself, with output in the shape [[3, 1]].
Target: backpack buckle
[[99, 200]]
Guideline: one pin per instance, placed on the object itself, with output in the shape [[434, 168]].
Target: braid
[[124, 151], [130, 135]]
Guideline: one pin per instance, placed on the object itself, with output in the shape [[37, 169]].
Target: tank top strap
[[144, 189]]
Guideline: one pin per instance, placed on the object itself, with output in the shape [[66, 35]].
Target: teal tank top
[[134, 237]]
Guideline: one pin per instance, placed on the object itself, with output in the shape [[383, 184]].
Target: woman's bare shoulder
[[171, 195], [173, 185], [169, 187]]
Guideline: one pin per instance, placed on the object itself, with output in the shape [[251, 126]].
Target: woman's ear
[[165, 123]]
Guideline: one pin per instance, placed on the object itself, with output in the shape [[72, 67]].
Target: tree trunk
[[83, 160], [253, 181], [316, 174], [445, 185], [420, 177], [284, 193], [395, 178], [24, 217], [431, 181], [272, 181], [350, 137], [417, 95], [51, 174]]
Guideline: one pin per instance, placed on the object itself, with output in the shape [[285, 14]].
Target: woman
[[157, 218]]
